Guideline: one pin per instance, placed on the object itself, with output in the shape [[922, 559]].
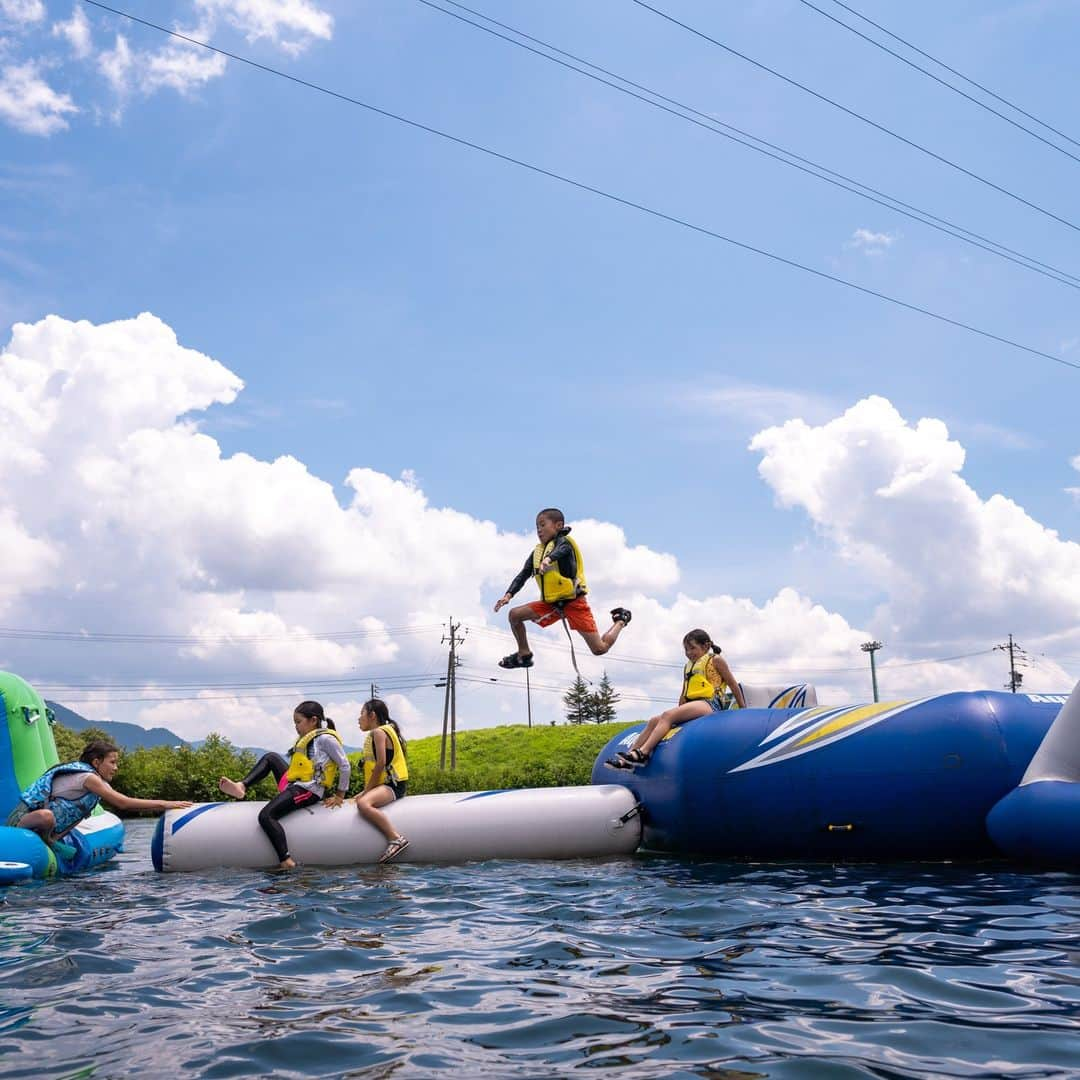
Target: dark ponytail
[[312, 710], [382, 714], [700, 637]]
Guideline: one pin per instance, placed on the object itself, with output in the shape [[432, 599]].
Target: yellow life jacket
[[397, 768], [302, 767], [555, 588], [696, 684]]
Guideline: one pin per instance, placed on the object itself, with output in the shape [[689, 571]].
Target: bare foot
[[232, 787], [288, 864]]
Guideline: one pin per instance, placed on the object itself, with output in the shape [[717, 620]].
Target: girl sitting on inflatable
[[67, 794], [317, 762], [705, 679], [386, 773]]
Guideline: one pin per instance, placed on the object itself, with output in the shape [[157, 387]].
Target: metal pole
[[872, 647], [453, 699], [446, 705], [528, 696]]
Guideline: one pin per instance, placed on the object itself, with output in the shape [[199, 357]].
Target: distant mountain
[[69, 717], [131, 736], [126, 736]]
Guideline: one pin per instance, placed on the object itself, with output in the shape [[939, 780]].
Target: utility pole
[[872, 647], [374, 691], [1017, 655], [450, 701]]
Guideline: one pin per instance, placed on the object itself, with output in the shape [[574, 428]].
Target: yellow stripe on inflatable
[[856, 716]]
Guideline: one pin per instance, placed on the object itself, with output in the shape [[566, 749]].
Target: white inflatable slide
[[532, 823]]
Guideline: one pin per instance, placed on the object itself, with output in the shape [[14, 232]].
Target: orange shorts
[[577, 611]]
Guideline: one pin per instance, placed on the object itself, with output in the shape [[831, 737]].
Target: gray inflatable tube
[[531, 823]]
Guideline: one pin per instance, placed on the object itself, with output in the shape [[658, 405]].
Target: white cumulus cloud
[[22, 12], [891, 497], [29, 104], [289, 24], [76, 32], [254, 567]]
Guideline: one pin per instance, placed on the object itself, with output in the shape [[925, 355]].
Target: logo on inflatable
[[822, 726]]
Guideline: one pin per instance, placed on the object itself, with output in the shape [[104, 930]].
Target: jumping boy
[[557, 566]]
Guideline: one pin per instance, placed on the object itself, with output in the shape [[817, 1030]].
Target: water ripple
[[651, 966]]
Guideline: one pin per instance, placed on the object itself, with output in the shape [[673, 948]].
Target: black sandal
[[634, 757], [621, 614], [515, 660], [618, 763]]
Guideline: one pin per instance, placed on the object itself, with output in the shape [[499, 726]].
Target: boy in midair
[[557, 566]]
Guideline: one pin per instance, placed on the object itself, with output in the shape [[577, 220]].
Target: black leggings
[[284, 802], [267, 764]]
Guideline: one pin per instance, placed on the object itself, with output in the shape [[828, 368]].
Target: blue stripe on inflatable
[[179, 823], [157, 845], [483, 794]]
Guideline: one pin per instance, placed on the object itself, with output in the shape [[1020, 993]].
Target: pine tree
[[577, 702], [604, 701]]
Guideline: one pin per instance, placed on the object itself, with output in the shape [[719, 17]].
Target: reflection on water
[[651, 966]]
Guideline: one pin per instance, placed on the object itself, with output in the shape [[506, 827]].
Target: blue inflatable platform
[[962, 775]]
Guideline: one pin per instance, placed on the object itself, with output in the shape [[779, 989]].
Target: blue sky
[[395, 302]]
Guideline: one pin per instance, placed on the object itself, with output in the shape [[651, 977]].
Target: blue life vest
[[68, 812]]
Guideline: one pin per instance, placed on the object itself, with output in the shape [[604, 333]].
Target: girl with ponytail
[[386, 773], [706, 677], [315, 770]]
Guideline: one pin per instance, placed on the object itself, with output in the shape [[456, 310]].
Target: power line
[[784, 672], [100, 638], [715, 126], [146, 699], [937, 78], [958, 74], [388, 681], [850, 112], [581, 186]]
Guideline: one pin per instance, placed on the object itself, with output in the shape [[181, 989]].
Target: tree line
[[585, 706]]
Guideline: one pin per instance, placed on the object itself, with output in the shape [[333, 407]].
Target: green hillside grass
[[513, 756]]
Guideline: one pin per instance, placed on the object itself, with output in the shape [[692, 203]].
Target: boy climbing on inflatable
[[559, 570], [68, 793]]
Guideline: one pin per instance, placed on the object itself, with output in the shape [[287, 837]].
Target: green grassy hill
[[514, 756]]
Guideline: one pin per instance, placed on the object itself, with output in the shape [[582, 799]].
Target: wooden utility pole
[[450, 701], [1017, 655]]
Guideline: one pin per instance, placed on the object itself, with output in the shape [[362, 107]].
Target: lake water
[[648, 966]]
